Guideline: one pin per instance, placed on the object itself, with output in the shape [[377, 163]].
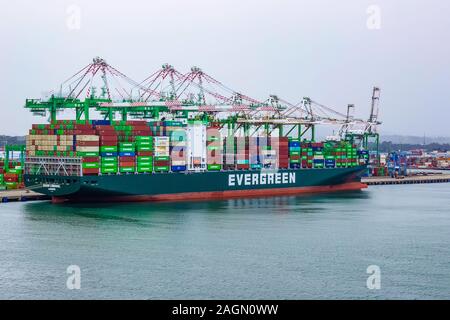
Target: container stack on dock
[[10, 176]]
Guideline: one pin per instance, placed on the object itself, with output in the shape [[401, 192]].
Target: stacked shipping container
[[128, 147], [11, 176], [214, 155]]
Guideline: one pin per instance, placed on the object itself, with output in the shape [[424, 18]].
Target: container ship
[[181, 149], [172, 160]]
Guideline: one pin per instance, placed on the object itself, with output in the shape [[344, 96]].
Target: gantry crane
[[365, 134], [168, 93]]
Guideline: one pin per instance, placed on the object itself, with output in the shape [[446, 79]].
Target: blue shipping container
[[127, 154], [101, 122], [178, 168], [108, 154]]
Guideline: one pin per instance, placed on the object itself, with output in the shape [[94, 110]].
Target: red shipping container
[[108, 137], [127, 163], [106, 133], [84, 132], [127, 159], [11, 177], [141, 133], [161, 163], [87, 143], [90, 172], [145, 153], [105, 127], [108, 143], [82, 126], [135, 122], [91, 159], [243, 166]]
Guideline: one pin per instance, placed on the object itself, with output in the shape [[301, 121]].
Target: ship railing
[[61, 166]]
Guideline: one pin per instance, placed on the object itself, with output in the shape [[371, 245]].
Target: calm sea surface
[[274, 248]]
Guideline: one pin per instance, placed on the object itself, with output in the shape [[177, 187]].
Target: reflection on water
[[134, 212]]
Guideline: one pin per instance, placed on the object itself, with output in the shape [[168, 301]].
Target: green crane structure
[[366, 136], [169, 93]]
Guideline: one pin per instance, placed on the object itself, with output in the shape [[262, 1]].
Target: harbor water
[[304, 247]]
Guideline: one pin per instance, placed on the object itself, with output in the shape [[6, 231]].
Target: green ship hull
[[195, 185]]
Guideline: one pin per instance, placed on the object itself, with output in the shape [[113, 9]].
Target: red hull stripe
[[218, 194]]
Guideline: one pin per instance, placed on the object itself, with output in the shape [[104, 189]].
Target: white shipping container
[[162, 154], [85, 137], [88, 149], [178, 163]]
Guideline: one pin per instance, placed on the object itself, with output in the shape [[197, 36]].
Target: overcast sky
[[317, 48]]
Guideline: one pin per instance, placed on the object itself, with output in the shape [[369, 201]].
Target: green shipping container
[[108, 170], [109, 165], [108, 148], [145, 169], [144, 159], [214, 167], [138, 148], [144, 138], [109, 159], [161, 168], [126, 145], [14, 171], [145, 164], [90, 165], [144, 143], [87, 154], [11, 185], [162, 158], [127, 169]]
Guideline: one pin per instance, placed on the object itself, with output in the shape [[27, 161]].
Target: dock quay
[[414, 179], [21, 195]]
